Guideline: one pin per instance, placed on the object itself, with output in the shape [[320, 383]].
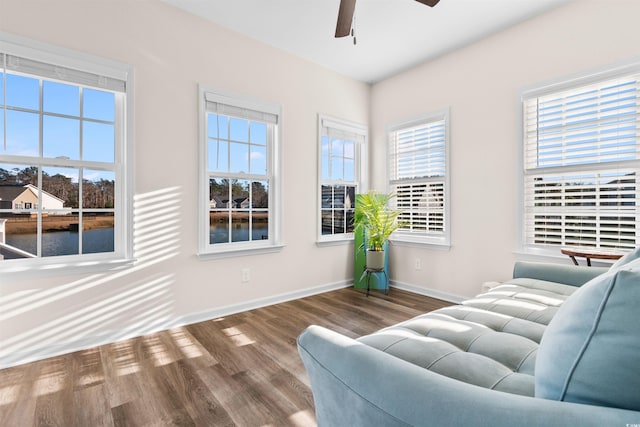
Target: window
[[581, 162], [342, 147], [239, 170], [64, 179], [419, 176]]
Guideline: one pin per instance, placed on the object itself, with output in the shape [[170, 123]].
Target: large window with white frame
[[342, 148], [419, 176], [581, 145], [65, 189], [239, 174]]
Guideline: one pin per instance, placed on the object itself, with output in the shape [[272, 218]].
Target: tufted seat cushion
[[490, 341]]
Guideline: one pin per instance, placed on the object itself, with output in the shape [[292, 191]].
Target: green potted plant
[[378, 220]]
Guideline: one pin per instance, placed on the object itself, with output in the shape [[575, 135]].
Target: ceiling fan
[[345, 15]]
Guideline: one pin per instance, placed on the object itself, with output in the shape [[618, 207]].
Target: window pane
[[219, 194], [60, 234], [98, 142], [260, 221], [22, 133], [60, 98], [98, 189], [239, 158], [336, 168], [23, 92], [350, 199], [12, 175], [259, 194], [97, 235], [239, 130], [21, 236], [327, 196], [218, 228], [338, 196], [258, 133], [60, 188], [259, 159], [349, 150], [324, 174], [327, 221], [339, 225], [212, 125], [223, 127], [240, 194], [99, 105], [61, 137], [240, 226], [218, 155], [349, 172]]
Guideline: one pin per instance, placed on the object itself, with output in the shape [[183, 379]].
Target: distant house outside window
[[581, 150], [64, 178], [239, 170], [342, 148], [419, 176]]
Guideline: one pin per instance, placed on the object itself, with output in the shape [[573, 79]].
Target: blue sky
[[63, 124], [236, 145]]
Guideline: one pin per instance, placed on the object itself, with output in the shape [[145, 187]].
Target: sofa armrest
[[567, 274], [357, 385]]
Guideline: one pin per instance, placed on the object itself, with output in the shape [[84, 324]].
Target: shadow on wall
[[93, 309]]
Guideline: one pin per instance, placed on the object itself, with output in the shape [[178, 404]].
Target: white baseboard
[[39, 353], [433, 293]]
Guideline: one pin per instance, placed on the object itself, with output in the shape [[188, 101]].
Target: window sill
[[237, 252], [335, 242], [553, 256], [435, 244]]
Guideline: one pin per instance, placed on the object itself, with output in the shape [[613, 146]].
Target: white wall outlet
[[246, 275], [418, 264]]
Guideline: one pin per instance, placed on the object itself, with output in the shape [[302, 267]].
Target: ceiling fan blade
[[429, 2], [345, 17]]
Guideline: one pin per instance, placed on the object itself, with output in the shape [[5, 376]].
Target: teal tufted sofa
[[554, 346]]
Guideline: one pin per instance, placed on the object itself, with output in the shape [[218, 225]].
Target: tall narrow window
[[581, 163], [342, 148], [64, 183], [239, 165], [418, 175]]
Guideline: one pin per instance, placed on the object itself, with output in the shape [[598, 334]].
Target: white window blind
[[581, 151], [418, 171]]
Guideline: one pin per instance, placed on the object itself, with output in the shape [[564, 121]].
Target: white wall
[[172, 52], [480, 84]]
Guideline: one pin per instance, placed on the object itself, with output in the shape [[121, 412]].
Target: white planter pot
[[375, 260]]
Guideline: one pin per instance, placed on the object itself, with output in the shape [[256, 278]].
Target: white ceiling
[[392, 35]]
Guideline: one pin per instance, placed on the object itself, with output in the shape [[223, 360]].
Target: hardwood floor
[[241, 370]]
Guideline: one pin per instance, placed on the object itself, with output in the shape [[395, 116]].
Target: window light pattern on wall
[[418, 169], [581, 157]]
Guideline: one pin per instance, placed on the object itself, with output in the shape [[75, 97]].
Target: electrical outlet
[[418, 264], [246, 275]]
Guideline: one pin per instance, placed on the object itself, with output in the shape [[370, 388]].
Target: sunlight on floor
[[238, 338], [303, 418], [187, 346]]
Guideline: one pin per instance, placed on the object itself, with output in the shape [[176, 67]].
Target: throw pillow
[[590, 352]]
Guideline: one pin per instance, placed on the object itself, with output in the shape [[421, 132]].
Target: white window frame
[[441, 239], [526, 169], [360, 135], [274, 242], [104, 73]]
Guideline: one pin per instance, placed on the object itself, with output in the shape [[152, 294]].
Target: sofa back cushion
[[590, 352], [626, 259]]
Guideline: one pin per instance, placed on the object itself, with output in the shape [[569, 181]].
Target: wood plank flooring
[[241, 370]]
